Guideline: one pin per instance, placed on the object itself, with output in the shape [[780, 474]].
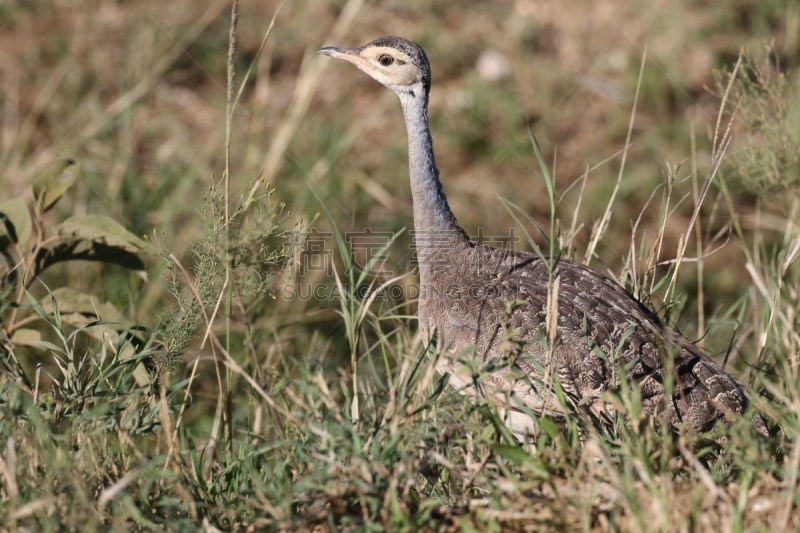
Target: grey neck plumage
[[435, 225]]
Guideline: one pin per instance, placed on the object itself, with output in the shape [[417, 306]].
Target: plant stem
[[228, 255]]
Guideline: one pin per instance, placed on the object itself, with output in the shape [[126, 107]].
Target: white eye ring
[[386, 60]]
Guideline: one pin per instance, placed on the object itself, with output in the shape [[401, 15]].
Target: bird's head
[[397, 63]]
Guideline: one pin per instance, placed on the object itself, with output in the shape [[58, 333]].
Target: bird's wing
[[603, 334]]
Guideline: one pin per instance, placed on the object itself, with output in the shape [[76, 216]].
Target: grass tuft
[[208, 397]]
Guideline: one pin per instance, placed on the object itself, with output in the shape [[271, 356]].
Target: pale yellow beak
[[348, 54]]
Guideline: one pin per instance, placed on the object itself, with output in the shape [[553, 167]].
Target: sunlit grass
[[334, 416]]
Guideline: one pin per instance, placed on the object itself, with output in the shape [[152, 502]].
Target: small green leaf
[[598, 351], [520, 457], [26, 337], [51, 186], [15, 222], [498, 424], [50, 346], [436, 393], [515, 454], [547, 426], [179, 385], [37, 306], [631, 364], [56, 311], [102, 230]]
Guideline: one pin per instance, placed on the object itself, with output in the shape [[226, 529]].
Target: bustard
[[602, 331]]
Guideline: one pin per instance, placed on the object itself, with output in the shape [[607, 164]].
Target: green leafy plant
[[767, 158], [31, 243]]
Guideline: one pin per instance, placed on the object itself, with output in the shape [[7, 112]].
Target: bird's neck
[[434, 223]]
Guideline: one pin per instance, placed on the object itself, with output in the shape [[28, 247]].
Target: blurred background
[[135, 92]]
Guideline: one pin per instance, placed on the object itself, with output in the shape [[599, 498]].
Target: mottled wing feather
[[595, 314]]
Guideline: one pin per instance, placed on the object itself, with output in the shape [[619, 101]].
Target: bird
[[473, 298]]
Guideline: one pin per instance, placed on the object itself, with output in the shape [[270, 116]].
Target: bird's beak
[[348, 54]]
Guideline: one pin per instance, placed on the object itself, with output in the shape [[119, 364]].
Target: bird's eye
[[386, 60]]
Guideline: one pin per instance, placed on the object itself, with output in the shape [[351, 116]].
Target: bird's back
[[603, 335]]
